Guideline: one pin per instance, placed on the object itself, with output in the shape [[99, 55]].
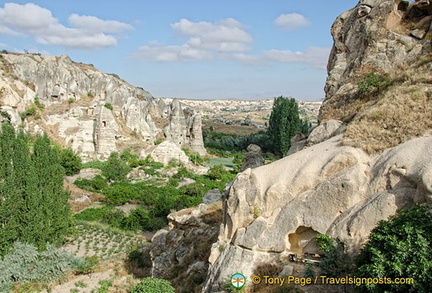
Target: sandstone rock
[[91, 129], [180, 254], [253, 158], [167, 151], [325, 131], [380, 42], [212, 196], [326, 188]]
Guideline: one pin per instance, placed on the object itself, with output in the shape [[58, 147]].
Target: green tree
[[399, 248], [115, 168], [33, 204], [55, 209], [284, 123], [70, 161]]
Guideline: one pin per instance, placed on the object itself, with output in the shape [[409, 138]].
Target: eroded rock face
[[180, 254], [379, 36], [74, 96], [278, 209]]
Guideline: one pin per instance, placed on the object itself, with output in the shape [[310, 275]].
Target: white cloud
[[94, 24], [316, 57], [86, 32], [205, 40], [227, 35], [291, 21], [163, 53]]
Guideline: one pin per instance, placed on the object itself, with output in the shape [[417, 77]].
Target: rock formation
[[180, 253], [92, 112], [253, 158], [374, 158]]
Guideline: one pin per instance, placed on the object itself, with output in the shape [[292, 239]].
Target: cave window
[[104, 123]]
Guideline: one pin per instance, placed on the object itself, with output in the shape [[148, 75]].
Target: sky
[[197, 49]]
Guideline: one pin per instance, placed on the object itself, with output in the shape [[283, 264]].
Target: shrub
[[108, 106], [115, 169], [336, 262], [373, 81], [92, 214], [88, 265], [70, 161], [38, 103], [151, 285], [399, 248], [25, 264], [29, 112]]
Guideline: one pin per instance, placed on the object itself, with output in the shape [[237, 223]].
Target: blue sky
[[200, 49]]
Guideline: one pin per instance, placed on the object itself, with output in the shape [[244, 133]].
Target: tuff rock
[[92, 112]]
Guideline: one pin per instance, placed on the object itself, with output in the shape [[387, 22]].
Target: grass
[[402, 112], [226, 162]]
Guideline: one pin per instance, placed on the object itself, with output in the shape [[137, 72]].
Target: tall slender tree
[[284, 123], [33, 204]]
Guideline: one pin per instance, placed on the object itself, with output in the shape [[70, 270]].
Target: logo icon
[[238, 280]]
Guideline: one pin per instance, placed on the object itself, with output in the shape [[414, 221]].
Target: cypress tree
[[10, 201], [33, 205], [54, 208], [284, 123]]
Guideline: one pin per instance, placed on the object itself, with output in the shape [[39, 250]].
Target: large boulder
[[279, 208]]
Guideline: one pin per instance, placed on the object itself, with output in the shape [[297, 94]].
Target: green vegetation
[[109, 106], [373, 81], [34, 206], [70, 161], [151, 285], [23, 263], [399, 248], [38, 103], [29, 112], [284, 123], [336, 263], [115, 169]]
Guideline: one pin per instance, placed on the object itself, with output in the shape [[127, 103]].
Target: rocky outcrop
[[253, 158], [278, 209], [167, 151], [180, 254], [374, 36], [92, 112], [370, 156]]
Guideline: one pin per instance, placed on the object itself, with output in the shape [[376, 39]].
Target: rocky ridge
[[333, 183], [92, 112], [363, 162]]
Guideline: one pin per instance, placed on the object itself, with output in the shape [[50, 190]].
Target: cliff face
[[376, 36], [74, 96], [347, 179]]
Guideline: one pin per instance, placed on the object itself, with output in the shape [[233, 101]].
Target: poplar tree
[[284, 123], [33, 205]]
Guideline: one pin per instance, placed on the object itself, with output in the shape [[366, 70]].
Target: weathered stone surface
[[326, 188], [379, 42], [90, 129], [325, 131], [253, 158], [212, 196], [180, 254], [167, 151]]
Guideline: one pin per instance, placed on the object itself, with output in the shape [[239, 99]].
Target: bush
[[29, 112], [70, 161], [115, 169], [336, 262], [108, 106], [94, 165], [373, 81], [92, 214], [399, 248], [151, 285], [96, 184], [25, 264]]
